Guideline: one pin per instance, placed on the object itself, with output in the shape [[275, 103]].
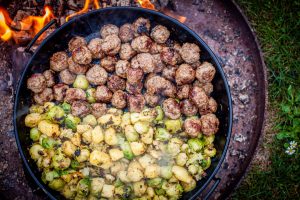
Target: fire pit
[[224, 29]]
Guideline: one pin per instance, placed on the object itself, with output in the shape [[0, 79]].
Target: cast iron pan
[[88, 26]]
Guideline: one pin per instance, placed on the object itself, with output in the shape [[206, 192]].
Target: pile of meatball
[[139, 66]]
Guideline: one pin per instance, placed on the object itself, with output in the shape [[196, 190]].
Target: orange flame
[[96, 4], [5, 31], [84, 9], [146, 4]]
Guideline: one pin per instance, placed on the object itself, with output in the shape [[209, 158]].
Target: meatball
[[82, 55], [122, 67], [156, 48], [171, 108], [109, 29], [119, 99], [188, 108], [74, 94], [141, 26], [169, 73], [209, 124], [103, 94], [136, 103], [199, 98], [184, 74], [80, 108], [160, 34], [36, 83], [126, 52], [195, 65], [170, 90], [183, 91], [212, 107], [59, 61], [170, 56], [159, 85], [144, 61], [205, 72], [98, 109], [115, 83], [151, 99], [97, 75], [111, 45], [76, 42], [158, 63], [67, 77], [141, 44], [59, 91], [190, 52], [126, 33], [108, 63], [95, 48], [134, 75], [76, 68], [192, 127], [134, 88], [207, 87], [45, 96], [49, 76]]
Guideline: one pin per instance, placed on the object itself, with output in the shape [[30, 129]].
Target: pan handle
[[31, 43], [212, 189]]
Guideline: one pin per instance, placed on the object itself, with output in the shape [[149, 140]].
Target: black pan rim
[[153, 12]]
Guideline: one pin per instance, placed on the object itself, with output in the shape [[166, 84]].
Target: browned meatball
[[109, 29], [126, 52], [36, 83], [136, 103], [103, 94], [169, 73], [144, 61], [158, 63], [80, 108], [190, 52], [205, 72], [122, 67], [49, 76], [74, 94], [160, 34], [159, 85], [188, 108], [134, 88], [184, 74], [82, 55], [108, 63], [209, 124], [195, 65], [170, 56], [141, 44], [58, 61], [115, 83], [170, 90], [192, 127], [199, 98], [119, 99], [151, 99], [59, 91], [134, 75], [99, 109], [207, 87], [171, 108], [76, 68], [97, 75], [156, 48], [212, 107], [45, 96], [111, 45], [126, 33], [95, 48], [141, 26], [183, 91], [67, 77], [76, 42]]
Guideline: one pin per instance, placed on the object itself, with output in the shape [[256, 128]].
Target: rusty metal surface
[[224, 29]]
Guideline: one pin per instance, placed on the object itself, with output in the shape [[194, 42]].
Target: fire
[[84, 9], [146, 4], [5, 31]]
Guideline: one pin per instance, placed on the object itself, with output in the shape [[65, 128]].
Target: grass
[[277, 24]]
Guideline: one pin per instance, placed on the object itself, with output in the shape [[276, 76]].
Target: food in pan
[[125, 116]]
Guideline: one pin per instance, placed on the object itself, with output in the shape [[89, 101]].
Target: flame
[[146, 4], [171, 13], [5, 31], [84, 9], [96, 4]]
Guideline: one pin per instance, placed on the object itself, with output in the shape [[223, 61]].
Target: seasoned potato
[[48, 128], [110, 136], [115, 154]]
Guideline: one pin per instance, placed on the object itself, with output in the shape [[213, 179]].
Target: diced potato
[[68, 148], [131, 134], [32, 119], [81, 128], [166, 172], [150, 192], [87, 136], [37, 151], [104, 119], [125, 119], [117, 167], [139, 188], [110, 136], [148, 115], [138, 148], [182, 174], [146, 160], [108, 191], [134, 117], [83, 156], [90, 120], [189, 186], [97, 135], [147, 138], [98, 157], [181, 159], [174, 146], [115, 154], [96, 186], [134, 171], [152, 171], [123, 176], [48, 128], [141, 127], [76, 139]]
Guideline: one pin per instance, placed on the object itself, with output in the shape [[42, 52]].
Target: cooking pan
[[88, 26]]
